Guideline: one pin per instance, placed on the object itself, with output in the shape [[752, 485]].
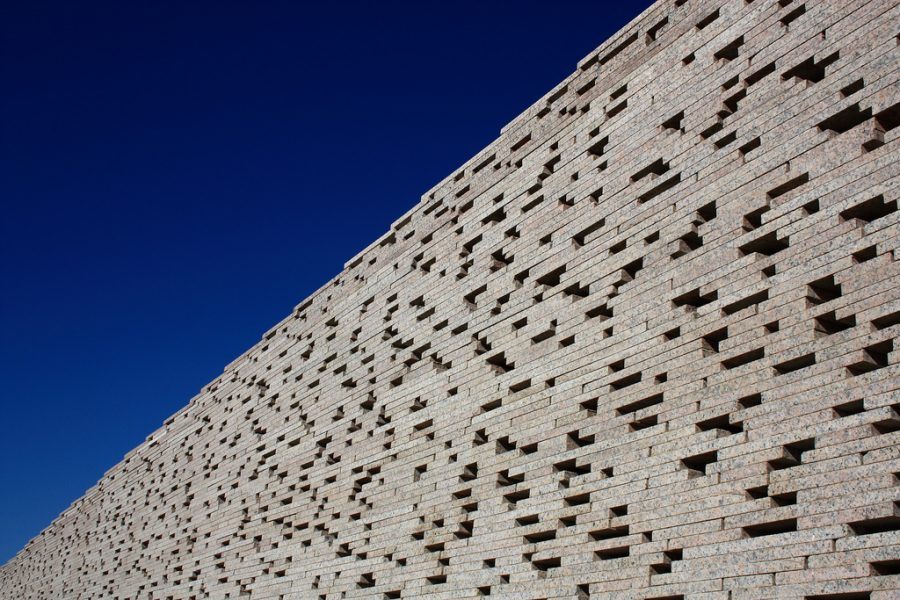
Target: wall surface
[[645, 345]]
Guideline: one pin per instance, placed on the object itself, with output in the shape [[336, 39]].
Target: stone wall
[[643, 346]]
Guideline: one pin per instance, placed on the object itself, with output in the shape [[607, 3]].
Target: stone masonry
[[643, 346]]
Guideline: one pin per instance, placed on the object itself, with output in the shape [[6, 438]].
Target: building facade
[[644, 346]]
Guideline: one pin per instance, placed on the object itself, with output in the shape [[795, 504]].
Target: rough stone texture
[[644, 345]]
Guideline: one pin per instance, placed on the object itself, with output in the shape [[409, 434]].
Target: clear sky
[[175, 176]]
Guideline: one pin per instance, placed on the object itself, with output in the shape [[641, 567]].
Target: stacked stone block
[[643, 346]]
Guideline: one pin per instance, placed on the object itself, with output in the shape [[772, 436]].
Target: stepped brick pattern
[[643, 346]]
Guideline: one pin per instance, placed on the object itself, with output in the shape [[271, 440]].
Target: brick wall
[[643, 346]]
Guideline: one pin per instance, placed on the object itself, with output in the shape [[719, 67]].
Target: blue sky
[[176, 176]]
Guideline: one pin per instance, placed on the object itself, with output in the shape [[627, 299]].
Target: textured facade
[[644, 346]]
